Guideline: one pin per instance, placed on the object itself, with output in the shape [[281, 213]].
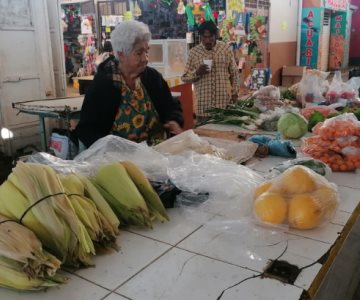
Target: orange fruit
[[297, 180], [271, 208], [262, 188], [305, 212], [327, 198]]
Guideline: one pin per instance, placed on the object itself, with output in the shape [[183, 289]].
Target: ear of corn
[[125, 198], [68, 238], [99, 229], [13, 204], [151, 198], [126, 215], [90, 191], [23, 263]]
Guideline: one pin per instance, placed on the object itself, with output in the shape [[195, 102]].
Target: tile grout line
[[92, 282], [217, 259], [157, 258]]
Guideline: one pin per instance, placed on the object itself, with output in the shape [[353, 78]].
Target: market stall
[[213, 244]]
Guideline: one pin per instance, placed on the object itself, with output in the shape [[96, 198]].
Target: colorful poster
[[234, 8], [337, 39], [310, 30], [336, 4]]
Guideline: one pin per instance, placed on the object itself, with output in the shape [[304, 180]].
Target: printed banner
[[310, 29], [337, 39], [336, 4]]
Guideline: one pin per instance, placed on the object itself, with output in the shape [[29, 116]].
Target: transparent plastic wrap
[[344, 125], [113, 148], [335, 88], [298, 198], [350, 90], [336, 142], [190, 141], [312, 87], [221, 185], [316, 165], [61, 166], [340, 91], [185, 141], [267, 98]]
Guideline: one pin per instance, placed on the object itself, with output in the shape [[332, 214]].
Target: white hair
[[126, 34]]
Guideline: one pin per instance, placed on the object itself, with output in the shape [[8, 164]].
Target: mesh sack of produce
[[298, 198]]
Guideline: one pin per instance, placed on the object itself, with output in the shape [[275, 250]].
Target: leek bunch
[[24, 265], [34, 196]]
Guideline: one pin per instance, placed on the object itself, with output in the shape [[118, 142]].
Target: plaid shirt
[[215, 88]]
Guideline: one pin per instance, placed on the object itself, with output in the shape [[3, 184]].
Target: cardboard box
[[291, 75]]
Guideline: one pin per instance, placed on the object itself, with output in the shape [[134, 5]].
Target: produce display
[[52, 217], [336, 142], [69, 217], [292, 125], [298, 198], [24, 265], [62, 220]]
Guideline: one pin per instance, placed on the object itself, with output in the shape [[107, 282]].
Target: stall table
[[59, 108], [187, 259]]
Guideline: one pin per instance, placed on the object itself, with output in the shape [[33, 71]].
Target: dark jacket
[[102, 100]]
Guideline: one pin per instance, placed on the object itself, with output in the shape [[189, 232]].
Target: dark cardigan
[[102, 100]]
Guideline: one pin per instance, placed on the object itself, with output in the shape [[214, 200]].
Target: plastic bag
[[225, 149], [298, 198], [335, 88], [336, 142], [316, 165], [61, 166], [312, 87], [112, 148], [227, 184], [344, 125]]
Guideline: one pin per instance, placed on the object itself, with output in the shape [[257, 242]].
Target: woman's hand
[[173, 127]]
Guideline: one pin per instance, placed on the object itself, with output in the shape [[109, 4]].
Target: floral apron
[[137, 119]]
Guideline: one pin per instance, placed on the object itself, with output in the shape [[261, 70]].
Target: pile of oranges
[[299, 197]]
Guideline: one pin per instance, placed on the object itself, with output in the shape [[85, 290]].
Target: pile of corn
[[70, 216]]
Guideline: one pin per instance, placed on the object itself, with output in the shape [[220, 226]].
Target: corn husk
[[120, 192], [53, 219], [24, 265], [97, 225]]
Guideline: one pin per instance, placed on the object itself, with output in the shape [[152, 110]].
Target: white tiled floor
[[197, 257]]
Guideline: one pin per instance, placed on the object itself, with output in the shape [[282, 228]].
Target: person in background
[[127, 98], [211, 67], [106, 52]]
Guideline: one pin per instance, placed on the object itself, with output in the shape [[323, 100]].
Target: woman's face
[[137, 60]]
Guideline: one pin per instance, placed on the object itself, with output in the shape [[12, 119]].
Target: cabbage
[[292, 125]]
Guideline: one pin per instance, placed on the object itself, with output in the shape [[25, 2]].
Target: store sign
[[337, 38], [310, 28], [336, 4], [72, 1]]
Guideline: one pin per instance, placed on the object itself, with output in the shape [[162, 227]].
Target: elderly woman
[[127, 98]]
